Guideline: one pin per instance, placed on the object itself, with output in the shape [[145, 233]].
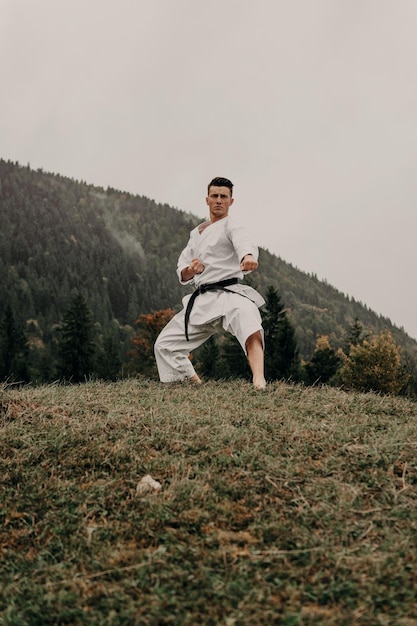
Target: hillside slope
[[59, 236]]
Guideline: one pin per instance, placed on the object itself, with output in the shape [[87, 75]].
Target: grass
[[292, 506]]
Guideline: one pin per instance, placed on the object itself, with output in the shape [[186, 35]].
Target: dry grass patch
[[292, 506]]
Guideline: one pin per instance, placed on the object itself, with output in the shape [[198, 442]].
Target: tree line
[[366, 362]]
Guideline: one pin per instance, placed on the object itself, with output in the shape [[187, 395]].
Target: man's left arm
[[248, 263], [246, 249]]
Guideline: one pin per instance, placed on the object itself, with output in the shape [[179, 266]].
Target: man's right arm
[[188, 272]]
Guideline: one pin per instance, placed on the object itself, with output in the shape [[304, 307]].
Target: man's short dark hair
[[221, 182]]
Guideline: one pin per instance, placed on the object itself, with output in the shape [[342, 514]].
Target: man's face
[[219, 200]]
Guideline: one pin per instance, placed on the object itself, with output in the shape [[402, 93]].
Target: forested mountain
[[59, 237]]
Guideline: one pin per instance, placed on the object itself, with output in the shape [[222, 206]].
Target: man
[[218, 254]]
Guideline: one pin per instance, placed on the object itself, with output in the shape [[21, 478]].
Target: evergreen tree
[[46, 366], [77, 345], [207, 358], [13, 349], [108, 362], [355, 336], [282, 359], [233, 362], [324, 364]]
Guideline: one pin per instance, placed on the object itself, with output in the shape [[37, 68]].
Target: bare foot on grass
[[196, 379]]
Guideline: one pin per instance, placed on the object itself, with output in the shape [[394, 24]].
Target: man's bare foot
[[196, 379], [259, 384]]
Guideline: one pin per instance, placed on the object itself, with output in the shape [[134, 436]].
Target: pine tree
[[355, 336], [77, 345], [13, 349], [233, 362], [108, 362], [282, 359], [207, 359], [324, 363]]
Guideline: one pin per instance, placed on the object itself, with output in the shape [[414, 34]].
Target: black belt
[[221, 286]]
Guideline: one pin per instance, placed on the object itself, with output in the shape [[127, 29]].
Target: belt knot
[[219, 286]]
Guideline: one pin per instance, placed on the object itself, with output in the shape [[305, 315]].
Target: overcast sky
[[309, 106]]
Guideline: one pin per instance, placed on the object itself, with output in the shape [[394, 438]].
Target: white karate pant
[[242, 319]]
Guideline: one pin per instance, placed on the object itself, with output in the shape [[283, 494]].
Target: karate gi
[[220, 247]]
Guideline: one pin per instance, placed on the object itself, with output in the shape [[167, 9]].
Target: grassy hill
[[59, 237], [292, 506]]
